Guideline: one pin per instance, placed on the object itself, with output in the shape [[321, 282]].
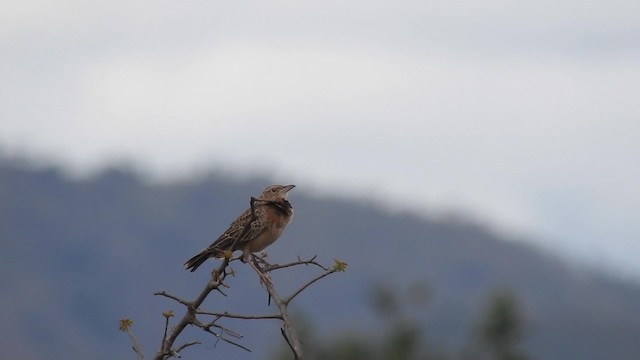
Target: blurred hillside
[[78, 255]]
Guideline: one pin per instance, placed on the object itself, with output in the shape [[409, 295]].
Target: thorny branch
[[225, 334], [263, 269], [288, 330], [217, 277]]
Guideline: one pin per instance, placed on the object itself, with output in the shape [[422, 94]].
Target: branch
[[223, 330], [136, 344], [187, 345], [262, 269], [239, 316], [288, 299], [125, 326], [294, 348], [165, 294], [288, 330], [166, 315], [272, 267], [189, 318], [216, 281]]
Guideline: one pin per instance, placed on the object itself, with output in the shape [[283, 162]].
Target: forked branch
[[262, 268]]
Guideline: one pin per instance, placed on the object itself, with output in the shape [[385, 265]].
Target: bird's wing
[[242, 229]]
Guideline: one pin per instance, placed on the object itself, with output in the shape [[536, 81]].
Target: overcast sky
[[525, 115]]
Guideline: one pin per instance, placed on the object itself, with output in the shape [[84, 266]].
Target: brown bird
[[272, 213]]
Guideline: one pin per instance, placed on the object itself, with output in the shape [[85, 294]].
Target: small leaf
[[125, 324], [339, 265]]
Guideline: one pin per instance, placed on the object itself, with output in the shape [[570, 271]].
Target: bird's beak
[[288, 188]]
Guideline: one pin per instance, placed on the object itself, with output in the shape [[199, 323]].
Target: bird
[[255, 229]]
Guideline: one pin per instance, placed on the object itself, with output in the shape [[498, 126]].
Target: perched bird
[[251, 233]]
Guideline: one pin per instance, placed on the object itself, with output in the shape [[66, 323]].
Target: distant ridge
[[77, 255]]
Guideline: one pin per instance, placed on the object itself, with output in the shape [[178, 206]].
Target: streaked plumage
[[272, 214]]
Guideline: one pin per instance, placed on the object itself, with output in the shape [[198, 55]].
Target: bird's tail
[[193, 263]]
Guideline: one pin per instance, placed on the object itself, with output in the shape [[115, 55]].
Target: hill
[[78, 255]]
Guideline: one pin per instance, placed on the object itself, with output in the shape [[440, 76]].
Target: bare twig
[[288, 299], [312, 261], [223, 330], [166, 327], [165, 294], [125, 326], [189, 318], [191, 343], [136, 345], [240, 316]]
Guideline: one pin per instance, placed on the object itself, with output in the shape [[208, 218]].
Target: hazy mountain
[[78, 255]]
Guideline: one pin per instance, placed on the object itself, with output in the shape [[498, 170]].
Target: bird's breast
[[275, 222]]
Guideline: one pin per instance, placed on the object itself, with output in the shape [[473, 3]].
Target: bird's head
[[276, 192]]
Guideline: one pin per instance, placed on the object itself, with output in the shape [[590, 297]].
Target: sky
[[522, 115]]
